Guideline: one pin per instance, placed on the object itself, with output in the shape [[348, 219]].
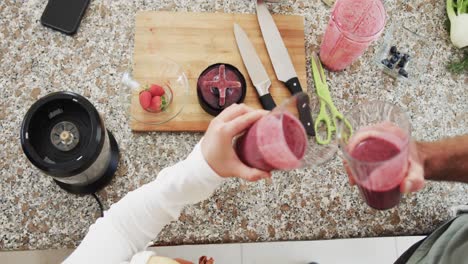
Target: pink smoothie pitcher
[[353, 25]]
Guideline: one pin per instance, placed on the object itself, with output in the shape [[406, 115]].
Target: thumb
[[251, 174], [414, 180]]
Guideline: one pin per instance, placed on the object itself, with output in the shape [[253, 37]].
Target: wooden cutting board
[[197, 40]]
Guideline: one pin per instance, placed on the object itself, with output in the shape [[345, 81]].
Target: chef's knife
[[282, 64], [254, 66]]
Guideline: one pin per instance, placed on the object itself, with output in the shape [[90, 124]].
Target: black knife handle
[[305, 114], [303, 105], [294, 85], [267, 102]]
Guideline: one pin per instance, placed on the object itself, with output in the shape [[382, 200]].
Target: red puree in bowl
[[273, 143], [381, 189]]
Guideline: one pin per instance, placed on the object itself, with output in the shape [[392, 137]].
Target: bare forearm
[[445, 160]]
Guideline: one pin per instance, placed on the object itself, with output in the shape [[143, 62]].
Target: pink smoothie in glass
[[381, 160], [353, 25], [276, 141]]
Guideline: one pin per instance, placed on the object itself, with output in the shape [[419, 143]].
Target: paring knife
[[282, 64], [254, 66]]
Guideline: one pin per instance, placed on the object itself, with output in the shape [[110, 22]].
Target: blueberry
[[406, 57], [393, 50], [394, 58], [388, 64], [397, 54], [403, 73], [402, 63]]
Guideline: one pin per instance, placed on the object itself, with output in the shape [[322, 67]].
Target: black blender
[[64, 136]]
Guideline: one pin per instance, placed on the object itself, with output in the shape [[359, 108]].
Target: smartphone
[[64, 15]]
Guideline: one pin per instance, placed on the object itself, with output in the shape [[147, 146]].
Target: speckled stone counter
[[305, 204]]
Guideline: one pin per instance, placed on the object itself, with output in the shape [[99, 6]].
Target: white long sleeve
[[130, 224]]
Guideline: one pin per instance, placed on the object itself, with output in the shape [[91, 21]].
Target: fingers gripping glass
[[328, 116]]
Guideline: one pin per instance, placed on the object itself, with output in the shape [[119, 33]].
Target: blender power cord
[[99, 203]]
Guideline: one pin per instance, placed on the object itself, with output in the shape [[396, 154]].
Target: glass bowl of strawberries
[[158, 92]]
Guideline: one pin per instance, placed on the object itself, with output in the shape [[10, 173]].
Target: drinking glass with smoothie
[[278, 141], [353, 25], [377, 153]]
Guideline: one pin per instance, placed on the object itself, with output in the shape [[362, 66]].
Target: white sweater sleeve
[[130, 224]]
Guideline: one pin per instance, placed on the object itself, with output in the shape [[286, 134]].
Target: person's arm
[[445, 160], [130, 224]]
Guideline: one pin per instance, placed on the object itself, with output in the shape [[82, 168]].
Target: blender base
[[105, 178]]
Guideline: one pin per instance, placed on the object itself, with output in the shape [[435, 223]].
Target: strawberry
[[155, 105], [156, 90], [145, 99]]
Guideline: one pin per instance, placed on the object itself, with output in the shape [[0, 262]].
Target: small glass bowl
[[407, 41], [165, 73]]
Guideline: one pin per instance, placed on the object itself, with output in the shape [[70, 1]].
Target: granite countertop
[[305, 204]]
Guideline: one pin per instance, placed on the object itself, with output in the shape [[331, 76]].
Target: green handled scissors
[[328, 113]]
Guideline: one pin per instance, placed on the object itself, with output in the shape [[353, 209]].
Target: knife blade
[[282, 64], [255, 68]]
